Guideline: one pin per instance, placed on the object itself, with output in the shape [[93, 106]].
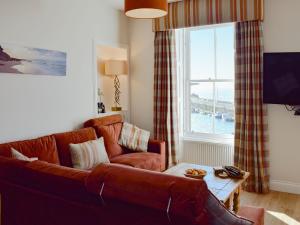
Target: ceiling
[[119, 4]]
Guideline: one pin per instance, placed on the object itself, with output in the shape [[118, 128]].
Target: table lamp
[[116, 68]]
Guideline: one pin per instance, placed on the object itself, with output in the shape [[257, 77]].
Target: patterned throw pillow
[[18, 155], [134, 138], [87, 155]]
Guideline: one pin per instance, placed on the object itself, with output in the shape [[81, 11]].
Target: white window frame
[[187, 133]]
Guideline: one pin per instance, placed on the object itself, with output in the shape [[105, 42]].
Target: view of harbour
[[209, 116], [203, 123], [211, 87]]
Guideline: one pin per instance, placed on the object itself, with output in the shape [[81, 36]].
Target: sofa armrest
[[158, 147]]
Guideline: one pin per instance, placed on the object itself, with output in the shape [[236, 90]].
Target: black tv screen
[[282, 78]]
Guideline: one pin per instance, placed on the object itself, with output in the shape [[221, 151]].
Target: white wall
[[141, 43], [282, 33], [38, 105]]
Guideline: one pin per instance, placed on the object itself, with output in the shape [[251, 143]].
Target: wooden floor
[[281, 208]]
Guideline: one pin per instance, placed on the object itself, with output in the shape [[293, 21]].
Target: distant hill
[[6, 57]]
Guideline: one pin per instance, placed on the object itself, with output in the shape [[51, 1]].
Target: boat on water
[[219, 115]]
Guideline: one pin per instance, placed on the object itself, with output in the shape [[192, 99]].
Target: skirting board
[[285, 186]]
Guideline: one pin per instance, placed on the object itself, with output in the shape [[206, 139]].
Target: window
[[208, 89]]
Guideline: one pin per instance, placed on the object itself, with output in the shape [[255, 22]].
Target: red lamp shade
[[146, 9]]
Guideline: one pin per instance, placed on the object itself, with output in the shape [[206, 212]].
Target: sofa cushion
[[89, 154], [254, 214], [111, 134], [142, 160], [134, 138], [17, 155], [63, 140], [43, 148]]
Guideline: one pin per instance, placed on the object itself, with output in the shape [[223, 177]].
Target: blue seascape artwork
[[16, 59]]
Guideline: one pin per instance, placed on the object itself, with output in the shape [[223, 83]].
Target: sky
[[27, 53], [202, 60]]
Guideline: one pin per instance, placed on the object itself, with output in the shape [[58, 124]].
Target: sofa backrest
[[104, 121], [9, 167], [180, 196], [63, 140], [44, 148], [114, 121], [135, 196], [177, 196], [110, 128], [41, 190], [62, 181]]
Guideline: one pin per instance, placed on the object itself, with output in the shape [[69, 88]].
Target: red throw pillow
[[111, 135]]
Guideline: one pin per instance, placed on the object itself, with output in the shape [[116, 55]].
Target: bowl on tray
[[195, 173]]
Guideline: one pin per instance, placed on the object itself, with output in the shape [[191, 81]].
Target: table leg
[[228, 204], [236, 200]]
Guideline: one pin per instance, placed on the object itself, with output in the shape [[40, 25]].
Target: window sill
[[209, 140]]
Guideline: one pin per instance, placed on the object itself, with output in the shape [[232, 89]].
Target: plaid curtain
[[165, 94], [251, 152]]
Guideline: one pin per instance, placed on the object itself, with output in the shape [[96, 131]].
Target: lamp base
[[116, 109]]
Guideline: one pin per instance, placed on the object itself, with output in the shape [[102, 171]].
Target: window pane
[[224, 117], [202, 54], [202, 104], [225, 52]]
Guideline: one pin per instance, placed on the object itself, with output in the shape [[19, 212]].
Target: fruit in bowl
[[195, 173]]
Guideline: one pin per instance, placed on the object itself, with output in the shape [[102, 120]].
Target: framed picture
[[25, 60]]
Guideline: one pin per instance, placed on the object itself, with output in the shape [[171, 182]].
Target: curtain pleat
[[251, 137], [165, 94]]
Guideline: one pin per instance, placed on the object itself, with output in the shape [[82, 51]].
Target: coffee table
[[226, 190]]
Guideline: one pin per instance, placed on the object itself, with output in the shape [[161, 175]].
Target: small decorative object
[[220, 172], [229, 172], [195, 173], [146, 9], [23, 60], [100, 104], [116, 68], [101, 108]]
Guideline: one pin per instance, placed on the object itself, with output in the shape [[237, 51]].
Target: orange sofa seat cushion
[[44, 148], [256, 215], [142, 160], [111, 136], [63, 140]]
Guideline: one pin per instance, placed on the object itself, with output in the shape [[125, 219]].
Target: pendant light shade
[[146, 9]]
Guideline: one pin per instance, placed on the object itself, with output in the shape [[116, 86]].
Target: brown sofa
[[110, 128], [55, 148], [35, 193], [49, 192]]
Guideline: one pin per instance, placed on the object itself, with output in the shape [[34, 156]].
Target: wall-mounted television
[[282, 78]]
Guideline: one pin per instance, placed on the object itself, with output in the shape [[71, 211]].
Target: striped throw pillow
[[18, 155], [87, 155], [134, 138]]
